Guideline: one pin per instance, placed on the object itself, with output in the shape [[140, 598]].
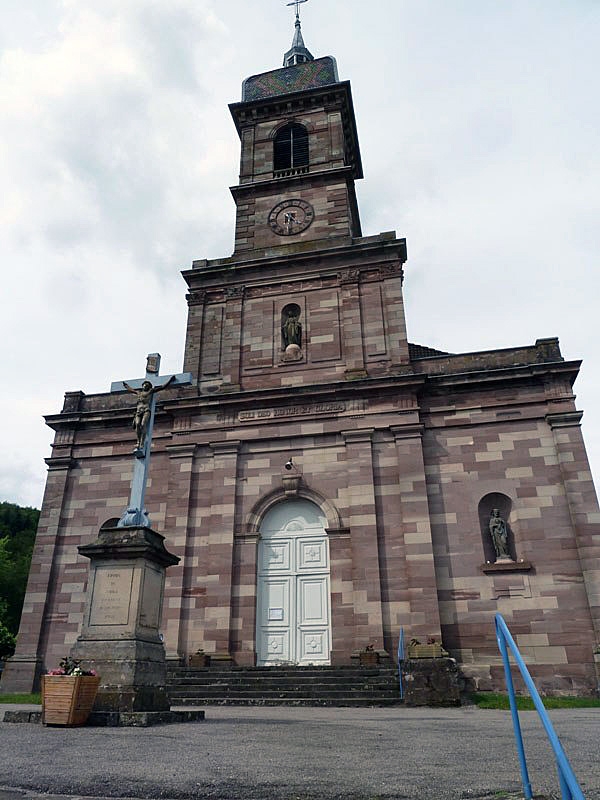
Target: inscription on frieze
[[352, 406], [111, 596]]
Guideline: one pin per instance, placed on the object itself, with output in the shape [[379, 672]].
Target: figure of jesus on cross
[[145, 389]]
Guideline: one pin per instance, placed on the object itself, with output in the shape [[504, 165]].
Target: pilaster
[[352, 332], [177, 528], [423, 618], [232, 336], [342, 595], [582, 501], [362, 519], [243, 621], [193, 338], [217, 626], [22, 672]]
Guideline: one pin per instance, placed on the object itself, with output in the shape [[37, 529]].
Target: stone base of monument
[[432, 682], [120, 636]]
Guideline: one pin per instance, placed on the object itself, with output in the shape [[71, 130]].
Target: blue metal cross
[[145, 389]]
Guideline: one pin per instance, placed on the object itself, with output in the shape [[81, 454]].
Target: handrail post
[[564, 786], [400, 661], [515, 714], [570, 788]]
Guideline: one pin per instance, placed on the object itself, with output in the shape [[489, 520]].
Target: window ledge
[[506, 566], [286, 173]]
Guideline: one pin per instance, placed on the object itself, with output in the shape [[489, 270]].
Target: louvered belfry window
[[290, 147]]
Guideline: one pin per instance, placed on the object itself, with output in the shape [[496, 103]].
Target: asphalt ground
[[300, 754]]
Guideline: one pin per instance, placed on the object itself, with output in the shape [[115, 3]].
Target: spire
[[298, 53]]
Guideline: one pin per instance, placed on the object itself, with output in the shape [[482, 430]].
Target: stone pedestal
[[431, 682], [120, 634]]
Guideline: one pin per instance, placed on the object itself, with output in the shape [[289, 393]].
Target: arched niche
[[291, 326], [487, 504]]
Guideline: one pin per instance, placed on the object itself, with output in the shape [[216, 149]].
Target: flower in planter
[[70, 666]]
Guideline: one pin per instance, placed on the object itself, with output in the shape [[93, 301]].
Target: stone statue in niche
[[499, 534], [291, 330], [291, 333]]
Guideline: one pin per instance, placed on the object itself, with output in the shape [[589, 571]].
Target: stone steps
[[324, 686]]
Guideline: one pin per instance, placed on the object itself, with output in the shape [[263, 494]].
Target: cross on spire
[[297, 3], [298, 54]]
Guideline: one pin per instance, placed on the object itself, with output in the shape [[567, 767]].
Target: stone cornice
[[304, 180], [227, 448], [409, 431], [490, 375], [568, 419], [364, 252], [59, 462]]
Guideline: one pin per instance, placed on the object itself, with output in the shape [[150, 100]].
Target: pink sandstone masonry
[[402, 450]]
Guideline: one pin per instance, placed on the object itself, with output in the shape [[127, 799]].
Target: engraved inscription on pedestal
[[111, 596], [151, 598]]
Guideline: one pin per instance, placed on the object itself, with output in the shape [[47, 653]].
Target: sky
[[479, 126]]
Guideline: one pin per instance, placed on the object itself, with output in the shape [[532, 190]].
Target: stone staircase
[[285, 685]]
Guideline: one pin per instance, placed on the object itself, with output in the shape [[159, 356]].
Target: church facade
[[324, 481]]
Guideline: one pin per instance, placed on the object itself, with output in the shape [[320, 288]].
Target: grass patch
[[500, 701], [36, 699]]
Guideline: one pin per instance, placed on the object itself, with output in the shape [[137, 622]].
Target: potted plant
[[368, 657], [68, 694], [199, 659], [432, 649]]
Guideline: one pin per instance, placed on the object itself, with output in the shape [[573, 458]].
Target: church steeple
[[298, 53]]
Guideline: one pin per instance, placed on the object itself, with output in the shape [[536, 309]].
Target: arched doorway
[[293, 617]]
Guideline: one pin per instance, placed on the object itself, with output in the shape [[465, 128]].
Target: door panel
[[312, 554], [313, 647], [274, 619], [276, 556], [312, 609], [312, 600]]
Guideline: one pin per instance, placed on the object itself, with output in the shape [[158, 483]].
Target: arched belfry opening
[[290, 147], [293, 610]]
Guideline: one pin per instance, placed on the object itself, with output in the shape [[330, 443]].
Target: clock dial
[[291, 217]]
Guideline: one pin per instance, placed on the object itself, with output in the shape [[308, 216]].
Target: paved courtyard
[[298, 753]]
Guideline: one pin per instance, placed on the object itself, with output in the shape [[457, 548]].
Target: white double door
[[293, 607]]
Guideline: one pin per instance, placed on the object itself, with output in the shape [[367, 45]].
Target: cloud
[[479, 141]]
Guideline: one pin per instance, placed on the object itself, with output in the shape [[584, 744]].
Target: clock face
[[290, 217]]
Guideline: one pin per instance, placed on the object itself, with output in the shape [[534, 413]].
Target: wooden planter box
[[368, 659], [425, 650], [199, 660], [68, 699]]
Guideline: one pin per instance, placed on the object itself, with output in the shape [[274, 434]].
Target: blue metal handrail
[[400, 662], [569, 787]]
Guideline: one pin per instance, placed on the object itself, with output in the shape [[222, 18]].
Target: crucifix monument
[[120, 636], [145, 389]]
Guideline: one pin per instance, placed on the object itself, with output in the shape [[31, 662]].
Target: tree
[[7, 639], [17, 535]]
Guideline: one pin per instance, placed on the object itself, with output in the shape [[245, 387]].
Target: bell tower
[[299, 154], [304, 299]]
